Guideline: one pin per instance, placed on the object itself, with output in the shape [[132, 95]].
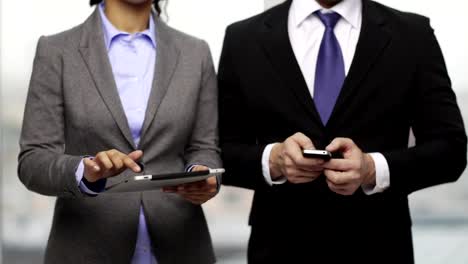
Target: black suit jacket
[[397, 81]]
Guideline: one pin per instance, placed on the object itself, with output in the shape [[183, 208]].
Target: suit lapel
[[278, 49], [94, 53], [167, 56], [373, 40]]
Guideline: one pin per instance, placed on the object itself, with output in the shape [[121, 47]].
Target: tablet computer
[[155, 181]]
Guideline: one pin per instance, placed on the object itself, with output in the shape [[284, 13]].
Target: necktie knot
[[328, 19]]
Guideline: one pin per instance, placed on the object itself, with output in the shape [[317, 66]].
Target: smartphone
[[317, 154]]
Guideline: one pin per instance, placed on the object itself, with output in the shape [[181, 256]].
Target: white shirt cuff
[[382, 175], [266, 167], [218, 177], [190, 168], [79, 174]]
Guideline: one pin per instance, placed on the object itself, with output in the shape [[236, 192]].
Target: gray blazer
[[73, 109]]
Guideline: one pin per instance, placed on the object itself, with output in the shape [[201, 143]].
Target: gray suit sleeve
[[42, 165], [203, 147]]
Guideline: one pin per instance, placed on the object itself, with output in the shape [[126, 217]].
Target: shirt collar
[[110, 32], [350, 10]]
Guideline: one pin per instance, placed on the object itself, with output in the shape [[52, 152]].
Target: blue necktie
[[330, 71]]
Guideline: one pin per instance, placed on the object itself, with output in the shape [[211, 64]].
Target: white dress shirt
[[305, 34]]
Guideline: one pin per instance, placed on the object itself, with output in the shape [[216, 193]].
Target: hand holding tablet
[[197, 192]]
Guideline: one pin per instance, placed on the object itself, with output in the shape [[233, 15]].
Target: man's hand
[[286, 160], [196, 192], [110, 163], [345, 176]]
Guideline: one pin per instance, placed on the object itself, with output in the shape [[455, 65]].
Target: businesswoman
[[119, 95]]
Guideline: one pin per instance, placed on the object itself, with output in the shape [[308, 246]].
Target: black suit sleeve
[[441, 144], [241, 152]]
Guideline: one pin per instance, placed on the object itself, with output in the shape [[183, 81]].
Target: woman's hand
[[110, 163], [196, 192]]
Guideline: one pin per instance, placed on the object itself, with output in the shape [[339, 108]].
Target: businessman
[[352, 77]]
